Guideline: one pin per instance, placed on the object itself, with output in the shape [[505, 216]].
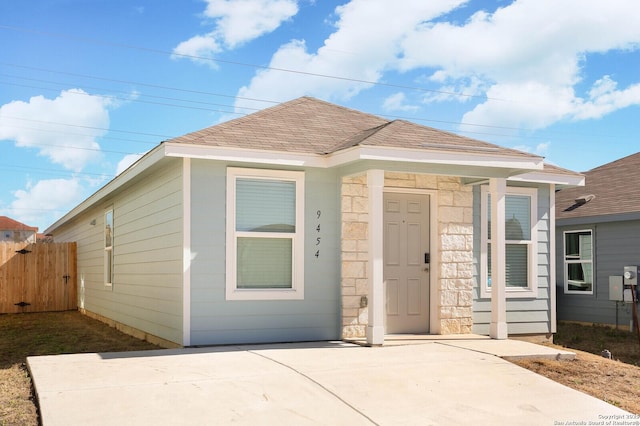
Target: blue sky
[[86, 86]]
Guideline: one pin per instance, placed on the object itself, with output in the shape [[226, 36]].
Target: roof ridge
[[357, 138], [470, 139], [614, 163], [351, 110]]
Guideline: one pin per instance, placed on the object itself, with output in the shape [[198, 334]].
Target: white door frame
[[376, 314], [434, 266]]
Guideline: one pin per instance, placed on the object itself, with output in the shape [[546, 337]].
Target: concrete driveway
[[332, 383]]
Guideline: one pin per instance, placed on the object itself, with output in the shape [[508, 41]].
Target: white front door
[[406, 262]]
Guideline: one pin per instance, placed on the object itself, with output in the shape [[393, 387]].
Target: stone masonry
[[454, 278]]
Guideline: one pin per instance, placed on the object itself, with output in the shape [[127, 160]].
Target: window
[[265, 223], [578, 262], [108, 248], [520, 242]]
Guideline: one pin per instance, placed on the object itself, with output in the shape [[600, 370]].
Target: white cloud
[[538, 105], [236, 22], [397, 102], [526, 57], [127, 161], [464, 90], [541, 149], [45, 199], [366, 43], [604, 98], [529, 56], [198, 48], [239, 21], [64, 129]]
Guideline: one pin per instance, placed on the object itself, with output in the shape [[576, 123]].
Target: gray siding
[[147, 288], [617, 244], [217, 321], [524, 315]]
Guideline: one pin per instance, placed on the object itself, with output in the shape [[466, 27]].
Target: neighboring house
[[16, 232], [598, 234], [310, 221]]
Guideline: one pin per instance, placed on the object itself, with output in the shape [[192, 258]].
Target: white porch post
[[498, 328], [375, 327]]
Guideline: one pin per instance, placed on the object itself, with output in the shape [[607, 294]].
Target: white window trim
[[565, 263], [297, 290], [532, 245], [108, 281]]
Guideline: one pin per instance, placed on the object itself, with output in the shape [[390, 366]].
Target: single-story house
[[598, 234], [311, 221], [16, 232]]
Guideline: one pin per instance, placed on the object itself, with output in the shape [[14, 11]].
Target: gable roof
[[8, 224], [616, 187]]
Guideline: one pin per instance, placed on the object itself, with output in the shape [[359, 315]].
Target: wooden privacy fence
[[38, 277]]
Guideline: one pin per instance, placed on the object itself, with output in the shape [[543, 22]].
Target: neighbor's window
[[520, 242], [578, 262], [108, 247], [265, 234]]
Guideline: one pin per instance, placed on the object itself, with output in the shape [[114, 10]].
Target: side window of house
[[265, 253], [578, 262], [108, 247], [520, 242]]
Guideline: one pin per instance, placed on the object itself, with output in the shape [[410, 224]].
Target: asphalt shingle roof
[[311, 126], [616, 187], [303, 125]]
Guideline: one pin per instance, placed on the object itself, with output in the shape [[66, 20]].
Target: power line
[[134, 99], [243, 64], [137, 83], [199, 92], [37, 129], [7, 167], [87, 127]]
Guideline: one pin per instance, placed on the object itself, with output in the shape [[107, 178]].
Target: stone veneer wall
[[455, 250]]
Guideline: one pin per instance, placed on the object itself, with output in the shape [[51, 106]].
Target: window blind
[[517, 216], [265, 205]]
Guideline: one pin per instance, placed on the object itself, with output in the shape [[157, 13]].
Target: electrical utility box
[[616, 288], [630, 275]]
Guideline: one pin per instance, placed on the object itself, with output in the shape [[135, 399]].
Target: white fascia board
[[450, 158], [244, 155], [550, 178], [149, 159], [353, 154]]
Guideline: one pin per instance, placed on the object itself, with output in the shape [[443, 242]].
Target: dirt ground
[[616, 381], [609, 380], [23, 335]]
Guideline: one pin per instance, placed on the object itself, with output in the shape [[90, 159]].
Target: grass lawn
[[23, 335], [616, 381]]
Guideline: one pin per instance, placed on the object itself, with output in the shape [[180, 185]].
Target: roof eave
[[148, 160], [244, 155], [561, 179], [507, 163], [453, 158]]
